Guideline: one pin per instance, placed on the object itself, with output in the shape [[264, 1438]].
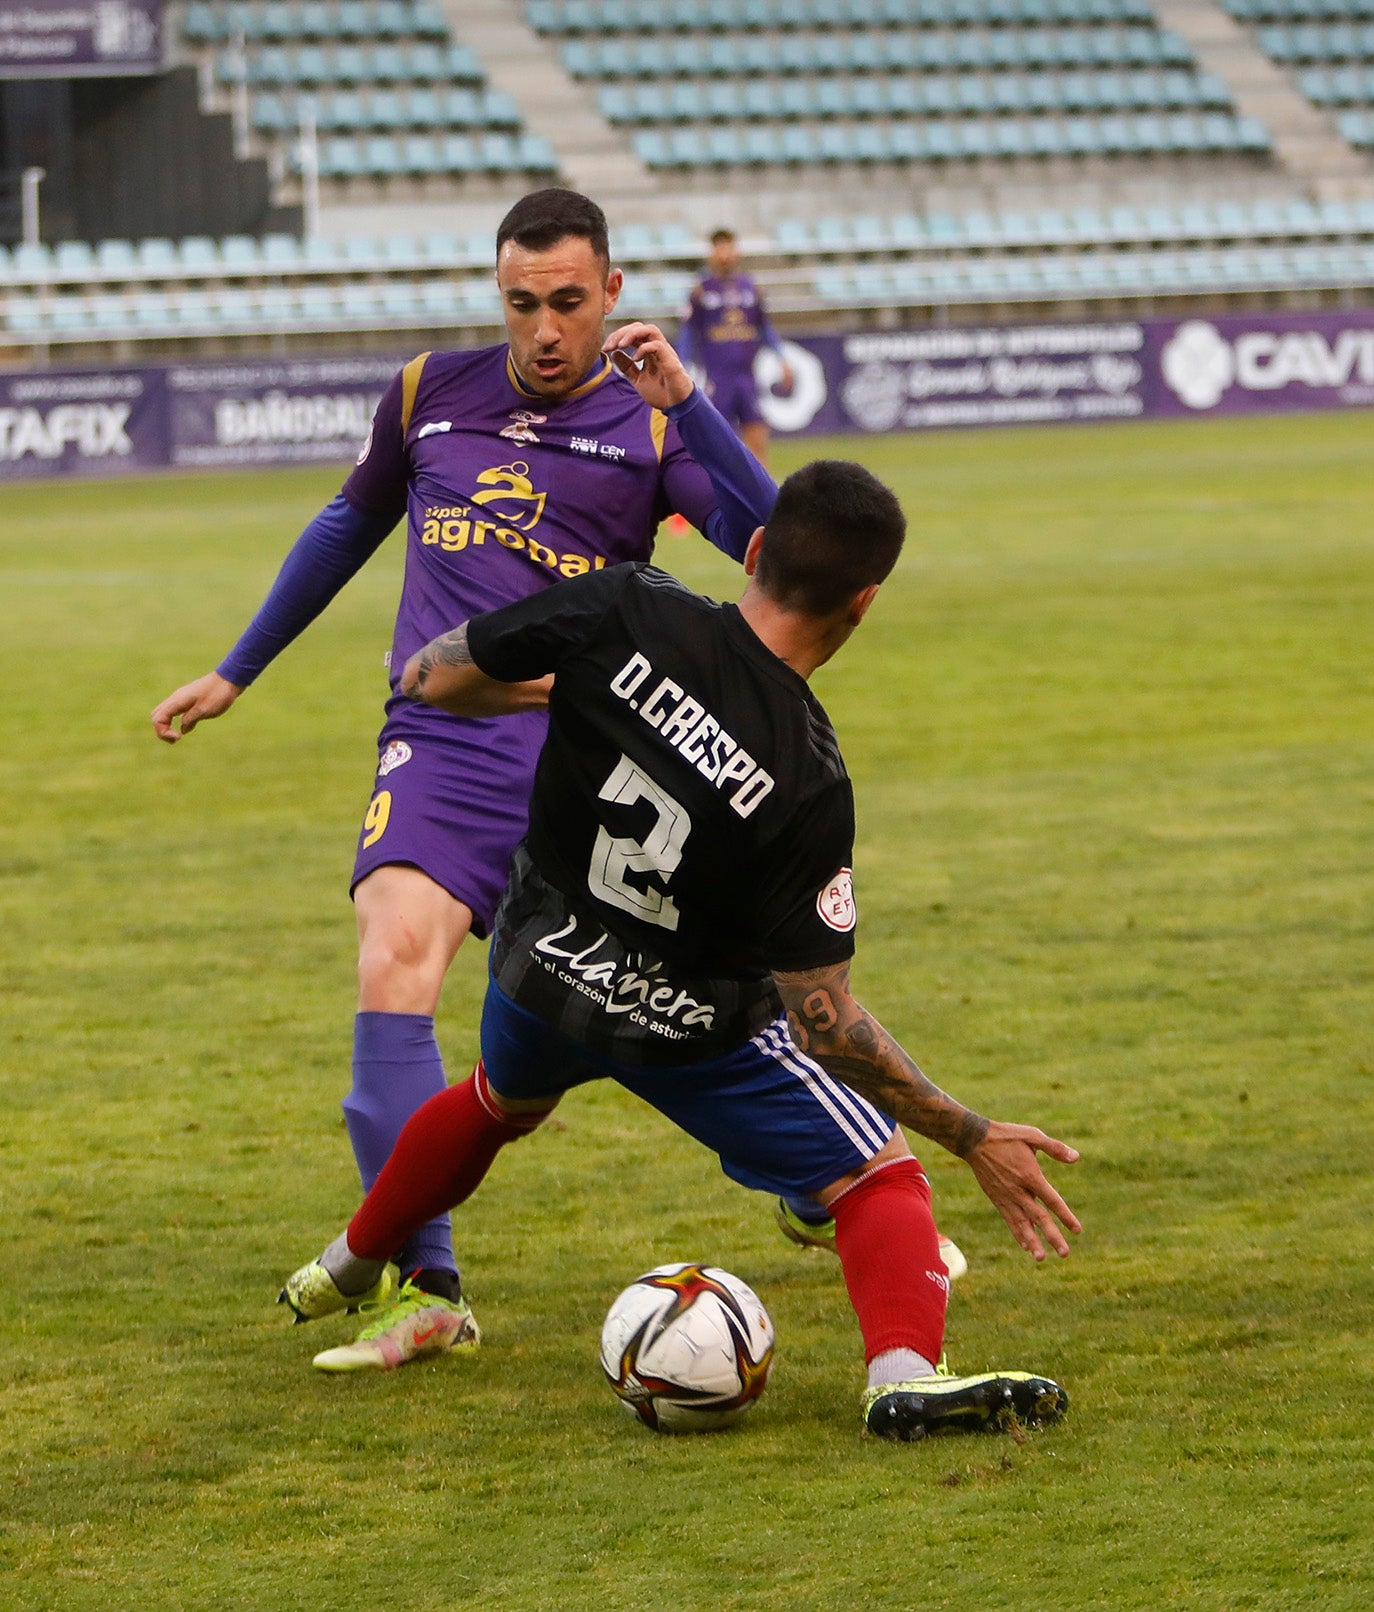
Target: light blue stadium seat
[[111, 313], [358, 303], [380, 156], [389, 64], [535, 155], [113, 257], [653, 149], [793, 235], [69, 316], [797, 144], [152, 311], [498, 153], [157, 256], [458, 154], [236, 307], [239, 252], [419, 155], [199, 255], [340, 158], [201, 25], [401, 302], [74, 260], [422, 109], [440, 299], [480, 298], [759, 145], [319, 304]]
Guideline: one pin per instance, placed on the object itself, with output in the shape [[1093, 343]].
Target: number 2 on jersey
[[658, 853]]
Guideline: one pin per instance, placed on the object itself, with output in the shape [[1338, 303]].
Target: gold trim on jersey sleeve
[[658, 429], [410, 385]]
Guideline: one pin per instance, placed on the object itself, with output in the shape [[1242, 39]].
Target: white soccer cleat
[[413, 1325]]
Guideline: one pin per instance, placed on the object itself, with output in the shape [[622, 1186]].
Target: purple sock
[[396, 1067]]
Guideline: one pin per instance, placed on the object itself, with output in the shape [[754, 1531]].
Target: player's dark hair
[[834, 531], [545, 217], [719, 235]]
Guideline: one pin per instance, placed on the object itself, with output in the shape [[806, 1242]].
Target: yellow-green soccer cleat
[[810, 1234], [989, 1403], [311, 1292], [413, 1324]]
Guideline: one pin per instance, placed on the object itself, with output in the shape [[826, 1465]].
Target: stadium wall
[[94, 423], [132, 157]]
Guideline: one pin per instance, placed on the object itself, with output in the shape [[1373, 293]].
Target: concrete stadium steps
[[1307, 143]]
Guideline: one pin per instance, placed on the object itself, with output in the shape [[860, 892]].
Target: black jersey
[[691, 827]]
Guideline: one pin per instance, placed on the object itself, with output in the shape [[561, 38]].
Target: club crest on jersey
[[835, 903], [508, 493], [367, 446], [521, 430], [396, 754]]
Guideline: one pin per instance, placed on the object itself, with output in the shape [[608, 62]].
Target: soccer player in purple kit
[[514, 466], [724, 327]]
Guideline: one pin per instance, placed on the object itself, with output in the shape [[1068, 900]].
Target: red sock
[[440, 1157], [890, 1252]]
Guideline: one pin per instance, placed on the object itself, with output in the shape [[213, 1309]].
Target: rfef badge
[[835, 903]]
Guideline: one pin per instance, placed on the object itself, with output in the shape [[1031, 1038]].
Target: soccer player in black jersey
[[681, 919]]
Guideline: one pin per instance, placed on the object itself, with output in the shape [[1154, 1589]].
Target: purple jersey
[[503, 494], [507, 493], [725, 325]]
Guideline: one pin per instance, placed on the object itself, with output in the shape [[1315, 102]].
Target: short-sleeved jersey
[[507, 493], [727, 323], [691, 826]]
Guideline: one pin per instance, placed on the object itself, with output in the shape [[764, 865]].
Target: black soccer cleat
[[990, 1403]]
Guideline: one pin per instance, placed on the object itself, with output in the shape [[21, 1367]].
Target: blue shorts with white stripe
[[778, 1122]]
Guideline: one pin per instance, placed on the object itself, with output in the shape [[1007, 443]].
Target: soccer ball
[[687, 1348]]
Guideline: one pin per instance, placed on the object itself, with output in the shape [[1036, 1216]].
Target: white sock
[[351, 1274], [897, 1366]]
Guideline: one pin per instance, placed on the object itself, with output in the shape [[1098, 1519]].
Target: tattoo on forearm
[[449, 650], [831, 1027]]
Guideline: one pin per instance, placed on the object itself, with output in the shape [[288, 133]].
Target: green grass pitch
[[1112, 733]]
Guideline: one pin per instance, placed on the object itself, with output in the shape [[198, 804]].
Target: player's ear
[[751, 552], [615, 283], [858, 605]]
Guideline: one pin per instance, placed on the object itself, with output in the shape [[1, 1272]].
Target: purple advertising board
[[292, 411], [82, 423], [94, 39], [317, 411], [1261, 363]]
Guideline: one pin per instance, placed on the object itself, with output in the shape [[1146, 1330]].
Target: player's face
[[724, 259], [555, 303]]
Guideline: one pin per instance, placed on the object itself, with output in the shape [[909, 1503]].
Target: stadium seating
[[392, 96], [1327, 48], [702, 84], [197, 287]]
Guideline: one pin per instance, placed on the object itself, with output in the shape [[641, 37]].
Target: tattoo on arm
[[849, 1043], [449, 650]]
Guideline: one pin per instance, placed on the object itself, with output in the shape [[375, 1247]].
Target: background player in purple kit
[[514, 466], [725, 326]]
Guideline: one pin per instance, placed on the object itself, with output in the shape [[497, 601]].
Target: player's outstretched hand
[[1009, 1172], [645, 356], [208, 696]]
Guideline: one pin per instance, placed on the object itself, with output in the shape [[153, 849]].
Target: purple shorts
[[736, 394], [451, 798]]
